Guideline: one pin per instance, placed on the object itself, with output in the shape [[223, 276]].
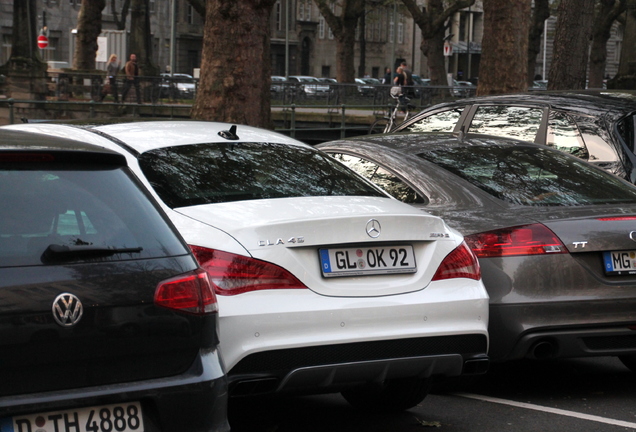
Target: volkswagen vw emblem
[[67, 310], [373, 228], [632, 235]]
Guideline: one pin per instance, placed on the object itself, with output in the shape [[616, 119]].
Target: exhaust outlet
[[544, 349]]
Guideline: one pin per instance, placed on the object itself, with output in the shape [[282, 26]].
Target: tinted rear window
[[532, 176], [44, 204], [222, 172]]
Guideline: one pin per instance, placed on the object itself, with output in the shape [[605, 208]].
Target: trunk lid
[[291, 232]]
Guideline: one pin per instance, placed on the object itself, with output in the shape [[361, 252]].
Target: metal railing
[[342, 108]]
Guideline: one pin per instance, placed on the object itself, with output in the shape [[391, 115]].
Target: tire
[[629, 361], [378, 126], [392, 396]]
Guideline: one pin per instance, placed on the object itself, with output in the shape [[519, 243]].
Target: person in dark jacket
[[132, 78]]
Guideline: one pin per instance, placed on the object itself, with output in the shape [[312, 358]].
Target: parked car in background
[[278, 84], [553, 234], [309, 86], [324, 282], [365, 88], [178, 86], [540, 85], [464, 89], [596, 126], [328, 80], [106, 321]]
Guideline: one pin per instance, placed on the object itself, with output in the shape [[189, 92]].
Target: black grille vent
[[289, 359], [610, 342]]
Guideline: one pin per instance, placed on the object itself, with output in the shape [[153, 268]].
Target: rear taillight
[[460, 263], [189, 292], [616, 218], [535, 239], [232, 274]]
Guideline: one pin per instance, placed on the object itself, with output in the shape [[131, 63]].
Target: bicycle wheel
[[379, 126]]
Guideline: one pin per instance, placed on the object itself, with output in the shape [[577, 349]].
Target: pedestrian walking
[[132, 78], [112, 69]]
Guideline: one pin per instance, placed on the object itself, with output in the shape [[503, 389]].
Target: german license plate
[[125, 417], [367, 261], [620, 262]]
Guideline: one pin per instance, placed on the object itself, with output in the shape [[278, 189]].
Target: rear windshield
[[86, 211], [222, 172], [532, 176]]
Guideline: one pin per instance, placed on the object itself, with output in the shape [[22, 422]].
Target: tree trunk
[[571, 42], [432, 23], [363, 46], [141, 37], [607, 13], [235, 64], [120, 18], [626, 76], [433, 49], [24, 45], [345, 68], [540, 13], [343, 27], [504, 47], [89, 26]]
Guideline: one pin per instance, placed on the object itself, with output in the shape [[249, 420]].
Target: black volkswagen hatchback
[[106, 321]]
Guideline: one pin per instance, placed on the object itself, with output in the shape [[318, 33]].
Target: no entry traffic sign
[[43, 41]]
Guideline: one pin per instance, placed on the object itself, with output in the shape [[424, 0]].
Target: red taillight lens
[[533, 239], [232, 274], [190, 292], [460, 263], [616, 218]]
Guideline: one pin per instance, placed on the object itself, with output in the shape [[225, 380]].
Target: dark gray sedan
[[555, 236], [597, 126]]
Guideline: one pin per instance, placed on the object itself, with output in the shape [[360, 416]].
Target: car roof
[[413, 142], [144, 136], [140, 136], [16, 140], [612, 104]]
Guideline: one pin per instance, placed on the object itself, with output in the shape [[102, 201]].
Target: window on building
[[190, 14], [321, 27], [326, 71], [401, 31], [391, 30], [301, 11], [151, 6], [277, 16], [308, 10]]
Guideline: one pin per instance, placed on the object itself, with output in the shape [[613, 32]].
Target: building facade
[[301, 41]]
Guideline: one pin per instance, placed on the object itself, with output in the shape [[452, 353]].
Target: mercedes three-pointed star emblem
[[373, 228]]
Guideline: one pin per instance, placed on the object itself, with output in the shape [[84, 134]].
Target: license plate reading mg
[[619, 262], [367, 261], [124, 417]]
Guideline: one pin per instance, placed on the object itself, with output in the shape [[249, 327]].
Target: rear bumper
[[562, 329], [335, 367], [586, 342], [193, 401]]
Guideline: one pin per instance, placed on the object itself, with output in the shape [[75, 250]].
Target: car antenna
[[229, 134]]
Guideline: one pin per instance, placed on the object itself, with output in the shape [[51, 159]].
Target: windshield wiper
[[57, 252]]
